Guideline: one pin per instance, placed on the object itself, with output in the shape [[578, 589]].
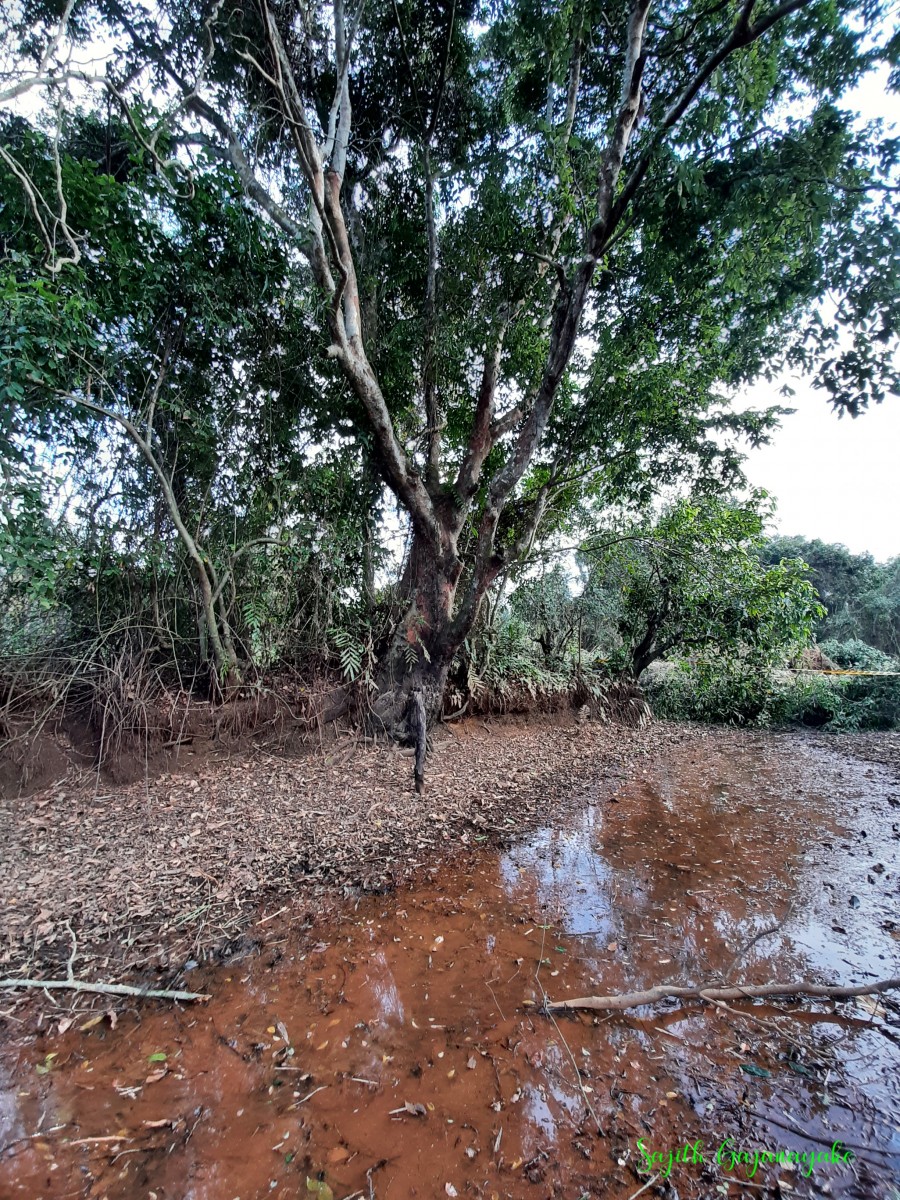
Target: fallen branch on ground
[[105, 989], [750, 992]]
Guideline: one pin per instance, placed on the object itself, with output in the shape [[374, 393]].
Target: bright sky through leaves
[[835, 478]]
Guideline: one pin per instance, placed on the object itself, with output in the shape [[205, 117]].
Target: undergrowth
[[726, 693]]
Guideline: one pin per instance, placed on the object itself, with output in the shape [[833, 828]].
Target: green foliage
[[691, 583], [192, 316], [722, 691], [861, 597], [154, 324], [356, 652], [716, 690], [546, 608], [857, 655]]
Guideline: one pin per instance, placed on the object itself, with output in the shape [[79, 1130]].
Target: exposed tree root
[[105, 989], [749, 992]]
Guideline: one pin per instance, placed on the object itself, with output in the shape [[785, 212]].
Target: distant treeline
[[861, 596]]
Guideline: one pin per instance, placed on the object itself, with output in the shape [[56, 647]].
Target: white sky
[[835, 478]]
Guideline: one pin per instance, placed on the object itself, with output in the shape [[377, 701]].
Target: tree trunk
[[646, 651], [422, 645], [641, 659]]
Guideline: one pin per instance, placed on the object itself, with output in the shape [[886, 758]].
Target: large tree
[[541, 241], [173, 409], [691, 582]]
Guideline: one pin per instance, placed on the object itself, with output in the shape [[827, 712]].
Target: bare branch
[[44, 73], [480, 441], [629, 105], [572, 91], [40, 208], [337, 139], [234, 152], [503, 425], [749, 992], [224, 661], [103, 989], [429, 383]]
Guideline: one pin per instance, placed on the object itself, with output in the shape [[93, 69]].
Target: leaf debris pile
[[157, 874]]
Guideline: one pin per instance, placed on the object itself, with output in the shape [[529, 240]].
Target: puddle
[[417, 1064]]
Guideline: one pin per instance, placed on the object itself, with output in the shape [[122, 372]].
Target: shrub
[[854, 655], [724, 693], [713, 691]]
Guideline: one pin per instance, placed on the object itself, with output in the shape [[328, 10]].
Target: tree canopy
[[861, 597], [509, 260], [692, 582]]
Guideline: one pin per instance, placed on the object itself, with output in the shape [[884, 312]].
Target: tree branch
[[223, 659], [480, 440], [43, 74], [610, 211], [743, 34], [103, 989], [748, 992]]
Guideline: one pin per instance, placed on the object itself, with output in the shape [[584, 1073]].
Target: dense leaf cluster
[[189, 451]]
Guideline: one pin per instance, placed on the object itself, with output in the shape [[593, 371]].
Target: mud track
[[395, 1046]]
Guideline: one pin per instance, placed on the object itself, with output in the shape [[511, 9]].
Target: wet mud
[[401, 1049]]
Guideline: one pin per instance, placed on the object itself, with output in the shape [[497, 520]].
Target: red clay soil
[[399, 1048], [155, 874]]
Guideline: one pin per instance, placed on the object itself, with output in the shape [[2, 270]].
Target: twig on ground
[[70, 972], [98, 1141], [748, 992], [105, 989], [641, 1190], [496, 1001], [761, 1021], [548, 1006]]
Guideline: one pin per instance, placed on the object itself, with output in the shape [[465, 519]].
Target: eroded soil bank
[[398, 1048]]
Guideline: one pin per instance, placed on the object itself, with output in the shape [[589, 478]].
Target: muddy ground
[[394, 1043], [179, 867]]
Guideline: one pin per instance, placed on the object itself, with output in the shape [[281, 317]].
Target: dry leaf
[[870, 1005]]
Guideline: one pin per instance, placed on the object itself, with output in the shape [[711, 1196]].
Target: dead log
[[737, 992]]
